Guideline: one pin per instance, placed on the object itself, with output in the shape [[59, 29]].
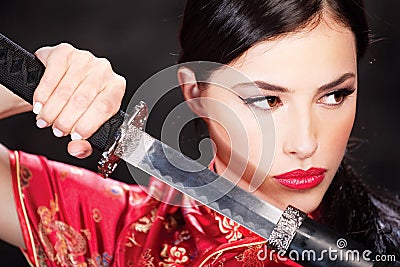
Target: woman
[[303, 57]]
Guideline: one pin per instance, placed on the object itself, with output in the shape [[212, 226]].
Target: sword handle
[[21, 71], [312, 244]]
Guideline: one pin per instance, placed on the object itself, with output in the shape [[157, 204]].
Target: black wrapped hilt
[[21, 71], [312, 244]]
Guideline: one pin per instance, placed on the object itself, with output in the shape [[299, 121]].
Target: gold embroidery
[[96, 214], [41, 254], [25, 176], [216, 257], [146, 260], [218, 253], [143, 225], [69, 244], [47, 246], [132, 241], [87, 233], [173, 256], [183, 236], [170, 223], [229, 227], [249, 257]]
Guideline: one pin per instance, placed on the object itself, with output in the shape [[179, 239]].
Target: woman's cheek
[[337, 131]]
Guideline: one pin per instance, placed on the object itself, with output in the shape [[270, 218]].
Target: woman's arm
[[11, 104], [10, 230], [76, 95]]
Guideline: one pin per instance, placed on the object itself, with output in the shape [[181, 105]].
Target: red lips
[[300, 179]]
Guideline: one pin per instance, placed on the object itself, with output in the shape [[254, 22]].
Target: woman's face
[[299, 118]]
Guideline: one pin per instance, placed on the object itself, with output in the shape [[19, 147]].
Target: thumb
[[80, 149]]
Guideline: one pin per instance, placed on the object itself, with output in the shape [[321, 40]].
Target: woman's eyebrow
[[262, 85], [336, 82], [276, 88]]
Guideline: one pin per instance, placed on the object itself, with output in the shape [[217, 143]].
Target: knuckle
[[103, 64], [65, 47], [118, 87], [84, 55], [63, 92], [63, 50], [121, 82], [81, 100], [105, 106]]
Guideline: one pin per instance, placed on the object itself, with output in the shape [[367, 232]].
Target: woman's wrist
[[11, 104]]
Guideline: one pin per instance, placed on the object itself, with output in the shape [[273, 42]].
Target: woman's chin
[[307, 204]]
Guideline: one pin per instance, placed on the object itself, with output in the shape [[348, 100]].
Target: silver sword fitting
[[285, 230], [129, 131]]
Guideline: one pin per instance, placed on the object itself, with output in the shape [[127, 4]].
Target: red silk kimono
[[70, 216]]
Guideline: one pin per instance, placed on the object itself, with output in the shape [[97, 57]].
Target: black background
[[140, 38]]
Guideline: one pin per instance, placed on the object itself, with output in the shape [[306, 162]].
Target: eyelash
[[344, 93]]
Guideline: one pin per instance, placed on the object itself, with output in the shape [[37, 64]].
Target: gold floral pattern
[[173, 256], [146, 259], [250, 258], [96, 214], [144, 224], [229, 228]]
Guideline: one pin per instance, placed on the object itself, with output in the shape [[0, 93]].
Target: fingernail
[[75, 136], [57, 132], [41, 123], [37, 107], [79, 154]]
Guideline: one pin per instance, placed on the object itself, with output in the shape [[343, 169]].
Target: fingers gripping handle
[[21, 71]]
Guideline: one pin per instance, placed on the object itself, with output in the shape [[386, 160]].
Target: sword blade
[[205, 186]]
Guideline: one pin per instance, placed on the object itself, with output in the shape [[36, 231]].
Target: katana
[[289, 232]]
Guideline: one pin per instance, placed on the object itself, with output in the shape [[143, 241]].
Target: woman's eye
[[263, 102], [336, 98], [333, 99]]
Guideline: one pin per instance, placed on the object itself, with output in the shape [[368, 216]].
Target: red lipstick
[[300, 179]]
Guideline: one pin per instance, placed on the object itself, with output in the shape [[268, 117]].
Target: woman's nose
[[301, 140]]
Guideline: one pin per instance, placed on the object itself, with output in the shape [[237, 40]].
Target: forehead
[[312, 56]]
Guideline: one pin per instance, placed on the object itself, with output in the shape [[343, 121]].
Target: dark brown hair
[[221, 30]]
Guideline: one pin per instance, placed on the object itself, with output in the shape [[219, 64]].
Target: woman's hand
[[76, 95]]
